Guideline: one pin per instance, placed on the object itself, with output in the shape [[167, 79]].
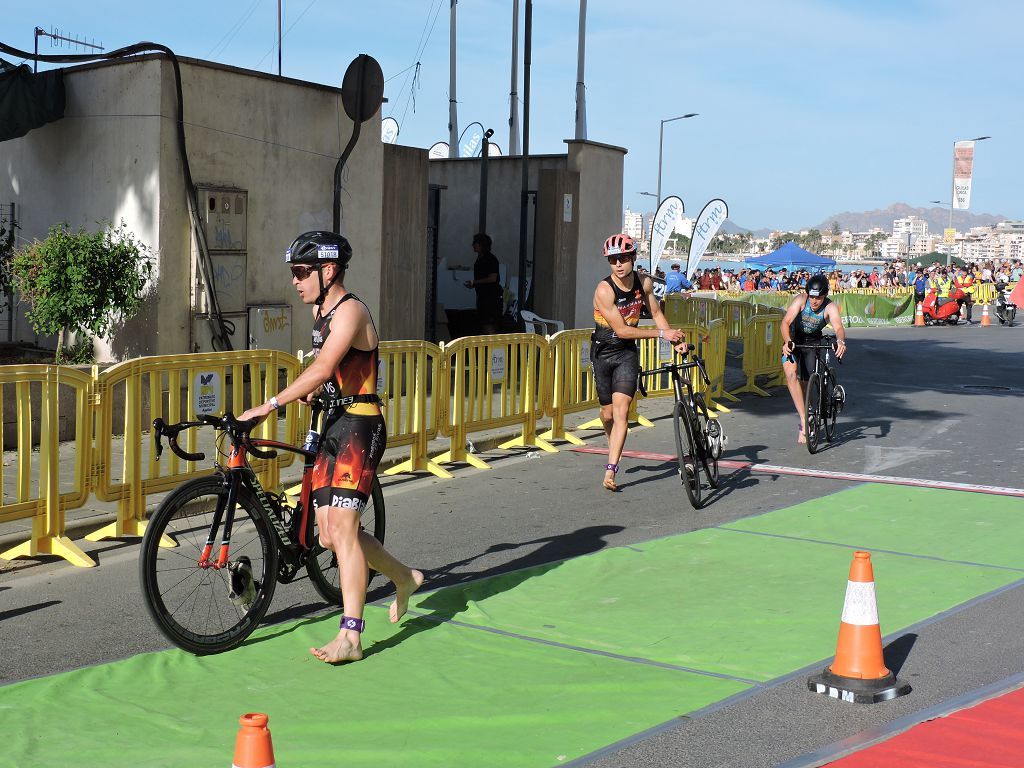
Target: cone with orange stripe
[[253, 748], [984, 316], [919, 315], [859, 674]]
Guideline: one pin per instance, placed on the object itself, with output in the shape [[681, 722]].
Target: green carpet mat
[[953, 525], [427, 694], [727, 601]]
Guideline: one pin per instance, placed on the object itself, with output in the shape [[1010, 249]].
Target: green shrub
[[82, 281]]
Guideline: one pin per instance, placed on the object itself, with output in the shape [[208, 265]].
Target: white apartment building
[[633, 224], [915, 226], [685, 226]]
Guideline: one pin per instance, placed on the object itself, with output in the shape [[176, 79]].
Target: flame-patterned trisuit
[[353, 437]]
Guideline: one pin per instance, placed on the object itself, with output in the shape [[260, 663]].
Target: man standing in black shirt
[[487, 283]]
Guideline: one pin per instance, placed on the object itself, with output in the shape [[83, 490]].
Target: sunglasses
[[621, 258], [302, 271]]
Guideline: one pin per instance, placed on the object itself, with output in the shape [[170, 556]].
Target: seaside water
[[737, 264]]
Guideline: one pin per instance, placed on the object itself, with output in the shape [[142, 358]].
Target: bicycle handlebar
[[697, 362], [830, 345], [227, 422]]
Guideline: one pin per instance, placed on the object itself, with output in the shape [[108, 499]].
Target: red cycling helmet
[[617, 244]]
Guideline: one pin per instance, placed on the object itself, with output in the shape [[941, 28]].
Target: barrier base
[[420, 464], [58, 546], [561, 435], [856, 690], [119, 530], [450, 457], [753, 388], [529, 442]]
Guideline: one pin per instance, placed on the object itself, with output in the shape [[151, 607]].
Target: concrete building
[[264, 176], [633, 224]]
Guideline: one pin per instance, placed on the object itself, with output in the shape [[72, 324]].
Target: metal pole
[[513, 96], [661, 138], [35, 61], [453, 117], [581, 97], [952, 197], [482, 218], [527, 47], [279, 37]]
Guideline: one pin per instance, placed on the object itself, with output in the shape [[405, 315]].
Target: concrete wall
[[403, 243], [600, 167], [100, 162], [558, 218], [115, 155], [460, 214]]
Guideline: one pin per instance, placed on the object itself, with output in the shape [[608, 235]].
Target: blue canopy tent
[[791, 256]]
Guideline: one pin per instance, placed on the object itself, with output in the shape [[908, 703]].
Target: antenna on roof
[[58, 39]]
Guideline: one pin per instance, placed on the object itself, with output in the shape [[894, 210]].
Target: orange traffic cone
[[253, 748], [919, 315], [984, 316], [858, 673]]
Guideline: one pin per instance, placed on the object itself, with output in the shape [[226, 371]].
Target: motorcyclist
[[1005, 310]]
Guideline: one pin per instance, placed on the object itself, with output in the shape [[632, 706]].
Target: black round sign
[[362, 89]]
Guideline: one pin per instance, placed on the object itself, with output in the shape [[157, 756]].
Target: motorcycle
[[1006, 310], [943, 311]]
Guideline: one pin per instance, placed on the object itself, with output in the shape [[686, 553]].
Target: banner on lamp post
[[963, 167], [704, 229], [662, 225]]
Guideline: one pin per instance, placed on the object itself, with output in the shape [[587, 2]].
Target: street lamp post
[[952, 197], [661, 141]]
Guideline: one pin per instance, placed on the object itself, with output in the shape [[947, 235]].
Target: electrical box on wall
[[270, 327], [224, 211]]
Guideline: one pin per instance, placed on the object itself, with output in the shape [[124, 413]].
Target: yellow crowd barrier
[[40, 492], [714, 361], [493, 381], [985, 293], [572, 381], [175, 388], [409, 370], [762, 354], [736, 314]]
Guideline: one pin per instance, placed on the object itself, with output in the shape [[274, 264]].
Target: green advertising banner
[[859, 310]]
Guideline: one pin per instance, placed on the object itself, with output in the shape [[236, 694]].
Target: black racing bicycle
[[825, 396], [207, 598], [699, 437]]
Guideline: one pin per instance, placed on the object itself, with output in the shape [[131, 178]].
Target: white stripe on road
[[853, 477]]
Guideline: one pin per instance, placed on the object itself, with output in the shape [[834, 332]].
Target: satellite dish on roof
[[362, 89], [389, 130]]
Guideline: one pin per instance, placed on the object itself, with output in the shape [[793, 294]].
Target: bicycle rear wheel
[[709, 451], [813, 422], [322, 565], [685, 449], [191, 605]]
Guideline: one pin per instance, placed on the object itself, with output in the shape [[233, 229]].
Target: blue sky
[[807, 108]]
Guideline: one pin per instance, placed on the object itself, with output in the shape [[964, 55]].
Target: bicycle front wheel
[[830, 409], [322, 565], [686, 453], [813, 405], [193, 606]]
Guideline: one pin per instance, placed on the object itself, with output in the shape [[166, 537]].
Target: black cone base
[[856, 690]]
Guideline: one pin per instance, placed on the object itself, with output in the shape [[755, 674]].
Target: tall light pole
[[661, 142], [952, 195]]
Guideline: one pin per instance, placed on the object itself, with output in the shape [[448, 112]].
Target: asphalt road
[[919, 405]]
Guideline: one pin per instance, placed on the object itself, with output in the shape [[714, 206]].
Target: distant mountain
[[937, 218]]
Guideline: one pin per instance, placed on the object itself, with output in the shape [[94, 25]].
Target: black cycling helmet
[[319, 247], [817, 286]]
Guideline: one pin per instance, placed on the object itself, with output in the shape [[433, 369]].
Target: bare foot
[[609, 481], [340, 648], [402, 593], [801, 437]]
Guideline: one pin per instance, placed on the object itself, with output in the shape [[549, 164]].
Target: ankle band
[[347, 622], [613, 467]]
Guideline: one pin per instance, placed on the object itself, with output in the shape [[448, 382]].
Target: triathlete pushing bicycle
[[344, 375], [806, 317], [618, 301]]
